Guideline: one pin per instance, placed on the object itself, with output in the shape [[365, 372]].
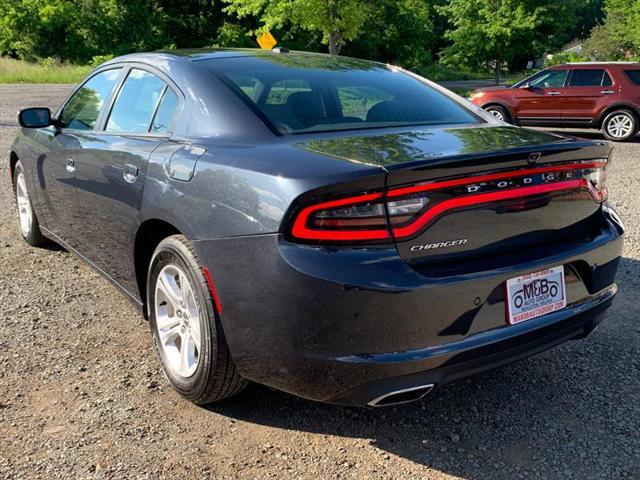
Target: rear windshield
[[634, 76], [299, 94]]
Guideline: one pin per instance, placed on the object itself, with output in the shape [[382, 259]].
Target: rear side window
[[587, 77], [82, 110], [300, 94], [136, 103], [166, 111], [634, 76]]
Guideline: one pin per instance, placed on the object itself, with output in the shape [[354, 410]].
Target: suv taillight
[[405, 211]]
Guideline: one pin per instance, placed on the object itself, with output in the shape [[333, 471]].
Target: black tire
[[613, 118], [33, 235], [215, 377], [499, 112]]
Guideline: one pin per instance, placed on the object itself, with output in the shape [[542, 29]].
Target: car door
[[112, 166], [56, 170], [541, 100], [587, 92]]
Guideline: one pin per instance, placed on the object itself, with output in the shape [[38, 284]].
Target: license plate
[[535, 294]]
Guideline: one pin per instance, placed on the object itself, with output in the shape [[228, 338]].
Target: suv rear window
[[634, 76], [300, 94]]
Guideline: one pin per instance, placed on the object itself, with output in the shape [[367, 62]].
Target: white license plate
[[535, 294]]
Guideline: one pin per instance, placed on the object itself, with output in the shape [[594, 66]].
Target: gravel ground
[[81, 395]]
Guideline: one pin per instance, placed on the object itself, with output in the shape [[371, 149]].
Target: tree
[[495, 32], [623, 23], [602, 45], [337, 21], [401, 32]]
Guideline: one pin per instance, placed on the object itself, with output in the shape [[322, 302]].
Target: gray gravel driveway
[[81, 395]]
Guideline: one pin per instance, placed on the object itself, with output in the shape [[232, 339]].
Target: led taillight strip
[[302, 231], [483, 198], [439, 185]]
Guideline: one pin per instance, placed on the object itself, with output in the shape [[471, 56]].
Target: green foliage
[[404, 32], [97, 60], [498, 32], [469, 36], [559, 58], [337, 21], [619, 36], [603, 45]]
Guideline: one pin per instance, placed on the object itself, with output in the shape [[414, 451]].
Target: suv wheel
[[620, 125], [29, 226], [185, 327], [499, 112]]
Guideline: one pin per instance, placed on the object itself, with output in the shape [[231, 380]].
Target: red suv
[[586, 95]]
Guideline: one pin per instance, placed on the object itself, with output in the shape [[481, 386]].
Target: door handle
[[553, 93], [71, 165], [130, 173], [607, 92]]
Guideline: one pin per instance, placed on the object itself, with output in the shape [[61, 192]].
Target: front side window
[[587, 77], [549, 79], [300, 94], [136, 103], [83, 108]]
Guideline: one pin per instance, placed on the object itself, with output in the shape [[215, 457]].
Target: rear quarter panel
[[243, 190]]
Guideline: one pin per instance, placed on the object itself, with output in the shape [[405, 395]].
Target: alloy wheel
[[497, 114], [178, 321], [620, 126], [25, 212]]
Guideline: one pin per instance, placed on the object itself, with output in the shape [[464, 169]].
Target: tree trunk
[[335, 37], [335, 43], [497, 71]]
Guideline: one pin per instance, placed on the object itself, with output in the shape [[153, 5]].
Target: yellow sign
[[267, 41]]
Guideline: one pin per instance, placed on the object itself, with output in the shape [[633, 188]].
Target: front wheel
[[185, 327], [499, 113], [29, 226], [619, 126]]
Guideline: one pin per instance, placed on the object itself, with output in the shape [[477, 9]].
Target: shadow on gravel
[[571, 412]]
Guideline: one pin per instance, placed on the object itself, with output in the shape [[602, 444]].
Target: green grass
[[17, 71], [440, 73]]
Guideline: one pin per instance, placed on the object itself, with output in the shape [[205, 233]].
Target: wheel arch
[[148, 236], [495, 103], [618, 106], [13, 160]]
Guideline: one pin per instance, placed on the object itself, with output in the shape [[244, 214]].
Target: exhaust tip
[[398, 397]]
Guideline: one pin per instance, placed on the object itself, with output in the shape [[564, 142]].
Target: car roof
[[583, 65], [197, 54]]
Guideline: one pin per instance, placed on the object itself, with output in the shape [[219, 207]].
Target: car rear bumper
[[350, 325]]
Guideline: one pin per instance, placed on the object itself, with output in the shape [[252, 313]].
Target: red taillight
[[405, 211]]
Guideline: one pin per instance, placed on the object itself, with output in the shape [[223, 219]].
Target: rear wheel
[[185, 327], [620, 125], [28, 222]]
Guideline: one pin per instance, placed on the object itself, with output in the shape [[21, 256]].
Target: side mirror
[[526, 86], [35, 117]]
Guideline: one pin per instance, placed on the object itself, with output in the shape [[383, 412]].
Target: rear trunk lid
[[491, 195]]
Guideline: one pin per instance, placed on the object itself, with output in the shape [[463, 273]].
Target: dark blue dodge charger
[[339, 229]]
